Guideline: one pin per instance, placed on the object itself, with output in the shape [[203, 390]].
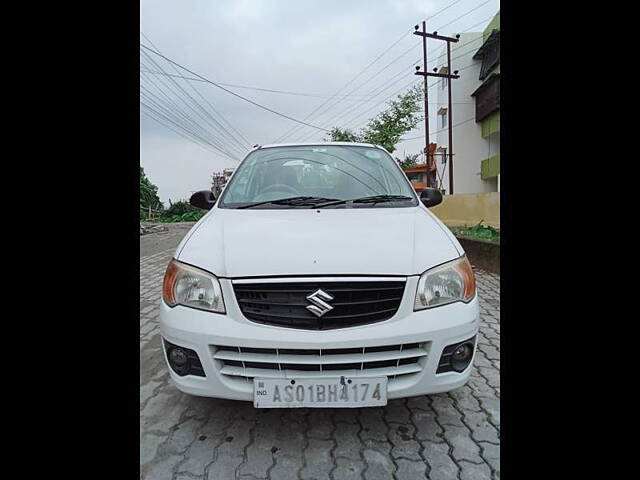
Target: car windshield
[[305, 176]]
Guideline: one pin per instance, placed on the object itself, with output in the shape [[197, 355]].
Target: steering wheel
[[279, 187]]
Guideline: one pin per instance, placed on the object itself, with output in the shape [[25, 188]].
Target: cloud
[[299, 46]]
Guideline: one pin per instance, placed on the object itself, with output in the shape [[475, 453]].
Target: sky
[[314, 48]]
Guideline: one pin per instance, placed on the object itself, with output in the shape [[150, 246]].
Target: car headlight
[[192, 287], [447, 283]]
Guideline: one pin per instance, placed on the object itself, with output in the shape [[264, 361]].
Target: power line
[[473, 49], [435, 83], [281, 137], [458, 18], [355, 98], [185, 97], [161, 115], [178, 116], [410, 84], [438, 131], [346, 124], [364, 101], [460, 46], [184, 122], [217, 126], [180, 95], [443, 9], [197, 142], [361, 85], [233, 93], [375, 75], [372, 94], [463, 15], [247, 144], [170, 116], [232, 85], [381, 89], [175, 109]]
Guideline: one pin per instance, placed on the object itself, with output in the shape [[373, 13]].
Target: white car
[[319, 279]]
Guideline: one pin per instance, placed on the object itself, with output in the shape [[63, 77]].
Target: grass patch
[[479, 231], [183, 217]]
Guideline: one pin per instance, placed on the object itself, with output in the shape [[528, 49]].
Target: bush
[[480, 231], [180, 207], [181, 211], [185, 217]]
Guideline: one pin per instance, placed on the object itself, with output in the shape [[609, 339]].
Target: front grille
[[285, 304], [390, 360]]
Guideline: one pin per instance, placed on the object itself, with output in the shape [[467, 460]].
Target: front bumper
[[433, 329]]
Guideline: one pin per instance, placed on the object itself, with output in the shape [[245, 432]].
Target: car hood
[[367, 241]]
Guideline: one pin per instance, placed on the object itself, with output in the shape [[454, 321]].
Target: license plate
[[339, 392]]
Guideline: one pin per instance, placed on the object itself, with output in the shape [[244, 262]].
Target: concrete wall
[[468, 209]]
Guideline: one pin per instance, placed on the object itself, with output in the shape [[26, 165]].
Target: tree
[[400, 117], [148, 196], [344, 135], [409, 161]]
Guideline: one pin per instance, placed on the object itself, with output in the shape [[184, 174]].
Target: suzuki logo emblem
[[319, 298]]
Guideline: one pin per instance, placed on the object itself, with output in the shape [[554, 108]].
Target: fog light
[[183, 361], [178, 357], [456, 357], [462, 353], [461, 356]]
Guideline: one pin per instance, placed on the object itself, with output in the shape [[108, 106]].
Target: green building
[[487, 97]]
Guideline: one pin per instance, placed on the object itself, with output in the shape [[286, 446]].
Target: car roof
[[356, 144]]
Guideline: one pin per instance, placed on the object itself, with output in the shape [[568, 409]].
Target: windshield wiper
[[295, 201], [372, 199], [381, 198]]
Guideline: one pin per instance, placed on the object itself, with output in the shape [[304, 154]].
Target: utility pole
[[426, 100], [448, 76]]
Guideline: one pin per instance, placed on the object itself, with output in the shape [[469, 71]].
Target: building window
[[442, 113], [443, 155], [443, 80]]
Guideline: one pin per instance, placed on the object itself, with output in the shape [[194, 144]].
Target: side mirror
[[431, 197], [203, 199]]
